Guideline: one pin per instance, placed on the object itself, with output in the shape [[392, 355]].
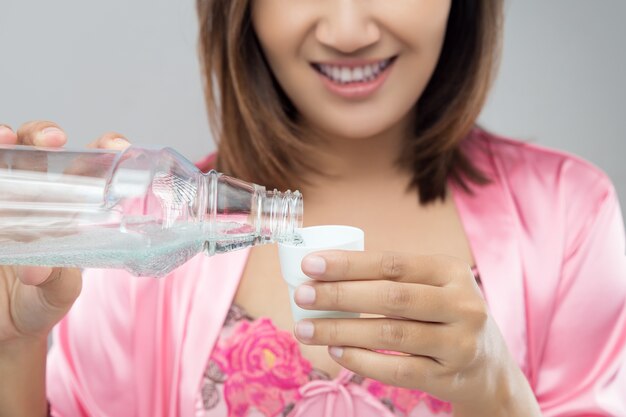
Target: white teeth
[[367, 71], [344, 75]]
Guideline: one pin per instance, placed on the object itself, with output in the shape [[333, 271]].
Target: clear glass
[[144, 210]]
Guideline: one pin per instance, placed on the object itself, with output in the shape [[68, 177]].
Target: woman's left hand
[[433, 315]]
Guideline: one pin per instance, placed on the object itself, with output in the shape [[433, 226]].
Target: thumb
[[33, 275], [59, 286]]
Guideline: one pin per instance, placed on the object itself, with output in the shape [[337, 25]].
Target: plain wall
[[561, 81], [131, 66]]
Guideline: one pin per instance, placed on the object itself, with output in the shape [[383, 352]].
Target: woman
[[493, 281]]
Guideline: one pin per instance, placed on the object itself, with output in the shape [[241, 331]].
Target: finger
[[411, 337], [44, 304], [110, 140], [97, 164], [7, 135], [387, 298], [413, 372], [393, 266], [59, 286], [62, 287], [41, 133], [33, 275]]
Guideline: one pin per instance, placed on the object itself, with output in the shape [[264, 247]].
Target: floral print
[[264, 368], [404, 400], [257, 369]]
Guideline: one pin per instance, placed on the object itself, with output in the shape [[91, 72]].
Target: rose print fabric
[[257, 370]]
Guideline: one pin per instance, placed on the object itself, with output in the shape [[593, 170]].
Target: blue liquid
[[147, 251]]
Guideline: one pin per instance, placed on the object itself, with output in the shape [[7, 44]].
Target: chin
[[355, 128], [358, 133]]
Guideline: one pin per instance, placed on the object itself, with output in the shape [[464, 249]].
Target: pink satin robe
[[548, 239]]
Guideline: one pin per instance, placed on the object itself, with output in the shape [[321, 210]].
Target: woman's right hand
[[34, 299]]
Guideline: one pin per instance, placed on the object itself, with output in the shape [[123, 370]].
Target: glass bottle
[[144, 210]]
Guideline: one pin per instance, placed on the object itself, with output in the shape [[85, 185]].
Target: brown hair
[[260, 140]]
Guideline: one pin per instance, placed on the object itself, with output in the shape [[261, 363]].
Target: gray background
[[131, 66]]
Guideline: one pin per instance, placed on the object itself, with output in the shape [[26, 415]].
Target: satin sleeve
[[89, 367], [582, 370]]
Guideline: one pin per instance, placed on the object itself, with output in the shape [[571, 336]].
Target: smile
[[354, 79], [352, 74]]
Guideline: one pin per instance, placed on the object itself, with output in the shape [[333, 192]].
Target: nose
[[347, 26]]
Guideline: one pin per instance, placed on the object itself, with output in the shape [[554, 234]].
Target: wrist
[[508, 395], [22, 366], [23, 345]]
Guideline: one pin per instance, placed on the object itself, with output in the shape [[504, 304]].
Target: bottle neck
[[234, 210], [279, 215]]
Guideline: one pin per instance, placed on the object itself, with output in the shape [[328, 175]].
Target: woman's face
[[352, 68]]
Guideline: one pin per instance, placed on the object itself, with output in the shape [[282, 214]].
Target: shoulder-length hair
[[255, 124]]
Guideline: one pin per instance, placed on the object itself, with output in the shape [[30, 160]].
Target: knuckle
[[449, 266], [403, 373], [469, 308], [436, 299], [345, 265], [477, 313], [463, 272], [333, 332], [446, 264], [338, 293], [70, 294], [391, 266], [396, 298], [392, 333], [77, 284], [467, 350], [458, 270], [65, 295], [25, 128]]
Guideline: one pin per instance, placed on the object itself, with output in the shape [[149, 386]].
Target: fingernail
[[4, 129], [314, 265], [44, 139], [336, 351], [118, 143], [50, 131], [305, 329], [305, 295]]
